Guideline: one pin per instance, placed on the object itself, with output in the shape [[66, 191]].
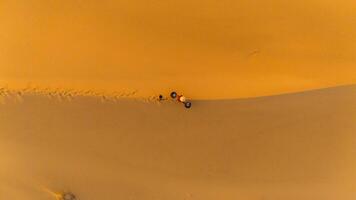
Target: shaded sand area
[[296, 146], [211, 49]]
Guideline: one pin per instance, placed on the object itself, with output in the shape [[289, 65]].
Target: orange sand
[[66, 68], [207, 49]]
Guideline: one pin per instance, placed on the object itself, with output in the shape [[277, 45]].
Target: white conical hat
[[182, 98]]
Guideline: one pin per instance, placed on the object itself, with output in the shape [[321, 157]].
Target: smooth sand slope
[[297, 146], [211, 49]]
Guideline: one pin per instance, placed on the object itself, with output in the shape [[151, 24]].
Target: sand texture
[[210, 49], [295, 146]]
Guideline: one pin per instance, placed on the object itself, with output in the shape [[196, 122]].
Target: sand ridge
[[60, 94]]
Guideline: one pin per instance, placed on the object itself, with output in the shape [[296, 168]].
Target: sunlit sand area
[[208, 49], [86, 111]]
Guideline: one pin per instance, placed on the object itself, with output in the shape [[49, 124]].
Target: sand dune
[[211, 49], [108, 138], [296, 146]]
